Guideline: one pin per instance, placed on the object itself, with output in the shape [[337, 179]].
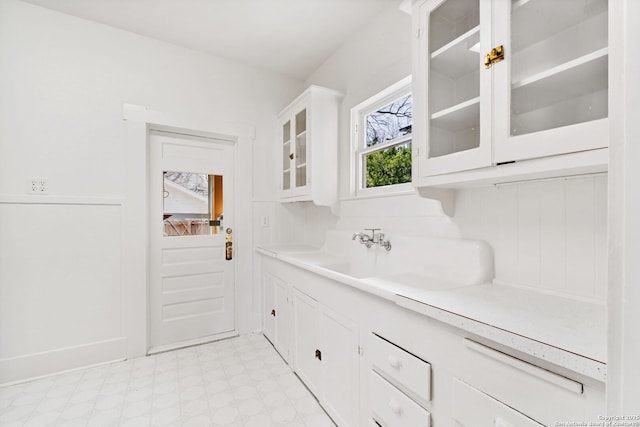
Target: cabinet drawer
[[392, 408], [472, 408], [530, 389], [401, 367]]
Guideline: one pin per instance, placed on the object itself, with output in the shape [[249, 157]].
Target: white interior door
[[192, 292]]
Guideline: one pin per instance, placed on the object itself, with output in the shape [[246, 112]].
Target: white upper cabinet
[[506, 81], [308, 143]]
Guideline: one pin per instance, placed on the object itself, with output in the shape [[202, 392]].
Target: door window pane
[[192, 204]]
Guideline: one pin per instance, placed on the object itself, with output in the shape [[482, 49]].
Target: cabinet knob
[[291, 156], [395, 407], [273, 313], [318, 354], [394, 363]]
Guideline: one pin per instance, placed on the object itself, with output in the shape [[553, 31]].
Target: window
[[193, 203], [381, 141]]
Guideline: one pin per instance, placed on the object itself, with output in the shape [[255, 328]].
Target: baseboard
[[35, 365], [192, 342]]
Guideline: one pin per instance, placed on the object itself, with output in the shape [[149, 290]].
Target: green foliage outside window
[[390, 166]]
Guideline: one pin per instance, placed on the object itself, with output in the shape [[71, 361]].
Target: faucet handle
[[373, 233]]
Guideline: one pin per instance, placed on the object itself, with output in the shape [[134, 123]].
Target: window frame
[[359, 148]]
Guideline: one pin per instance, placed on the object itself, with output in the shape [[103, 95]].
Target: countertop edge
[[576, 363]]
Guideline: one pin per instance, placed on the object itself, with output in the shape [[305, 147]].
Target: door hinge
[[360, 351], [419, 32]]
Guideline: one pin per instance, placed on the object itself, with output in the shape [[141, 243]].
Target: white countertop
[[562, 331]]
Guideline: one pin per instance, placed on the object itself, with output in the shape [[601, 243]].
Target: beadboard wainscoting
[[549, 235], [62, 258]]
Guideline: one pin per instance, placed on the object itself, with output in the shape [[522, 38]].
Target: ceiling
[[291, 37]]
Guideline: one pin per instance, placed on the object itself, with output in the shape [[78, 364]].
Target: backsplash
[[549, 235]]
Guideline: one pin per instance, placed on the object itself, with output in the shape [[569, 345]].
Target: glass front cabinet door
[[308, 147], [452, 96], [294, 152], [504, 81]]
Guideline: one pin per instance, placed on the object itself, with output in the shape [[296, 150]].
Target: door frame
[[139, 122]]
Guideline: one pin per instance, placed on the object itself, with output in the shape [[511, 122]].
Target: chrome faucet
[[374, 239], [363, 238], [383, 243]]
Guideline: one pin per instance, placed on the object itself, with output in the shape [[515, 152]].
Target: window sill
[[408, 190]]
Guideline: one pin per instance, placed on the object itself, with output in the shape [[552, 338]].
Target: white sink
[[413, 262], [325, 260], [427, 261]]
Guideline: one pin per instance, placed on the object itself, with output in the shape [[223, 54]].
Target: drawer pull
[[395, 407], [394, 363]]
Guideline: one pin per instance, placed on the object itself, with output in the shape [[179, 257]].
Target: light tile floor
[[239, 382]]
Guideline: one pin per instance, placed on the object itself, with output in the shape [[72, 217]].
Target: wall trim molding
[[28, 367], [199, 126], [26, 199]]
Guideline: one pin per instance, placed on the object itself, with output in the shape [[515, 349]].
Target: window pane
[[390, 121], [193, 204], [388, 166]]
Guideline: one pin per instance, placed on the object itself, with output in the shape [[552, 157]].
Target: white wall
[[548, 236], [70, 261]]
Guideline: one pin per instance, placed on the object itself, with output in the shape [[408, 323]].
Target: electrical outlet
[[265, 221], [37, 185]]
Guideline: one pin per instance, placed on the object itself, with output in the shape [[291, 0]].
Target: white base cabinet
[[308, 354], [326, 348], [278, 314], [370, 362]]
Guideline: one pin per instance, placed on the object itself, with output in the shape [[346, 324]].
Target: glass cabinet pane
[[301, 149], [559, 71], [454, 77], [287, 152]]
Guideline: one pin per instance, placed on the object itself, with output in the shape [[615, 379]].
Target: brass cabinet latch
[[291, 156], [318, 354], [273, 313], [496, 55]]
